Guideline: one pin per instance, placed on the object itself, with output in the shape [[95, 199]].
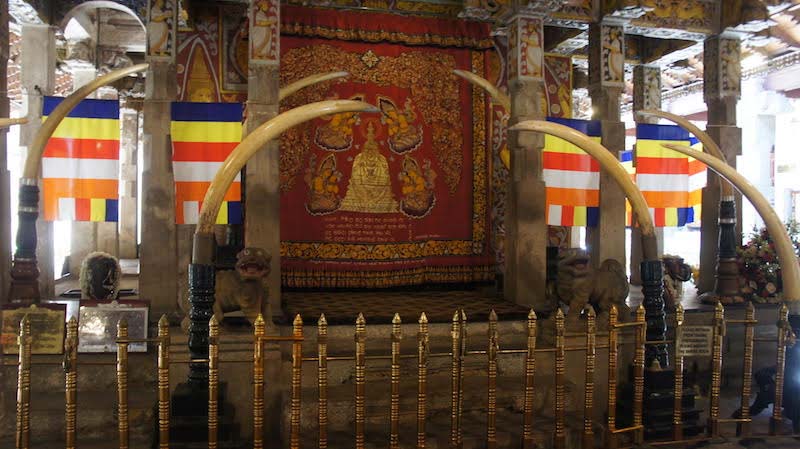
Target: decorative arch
[[83, 7]]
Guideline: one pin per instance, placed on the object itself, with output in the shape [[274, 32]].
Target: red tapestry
[[392, 198]]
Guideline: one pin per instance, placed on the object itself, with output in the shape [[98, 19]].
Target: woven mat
[[379, 307]]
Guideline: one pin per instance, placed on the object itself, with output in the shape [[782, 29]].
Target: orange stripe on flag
[[196, 191], [666, 199], [573, 197]]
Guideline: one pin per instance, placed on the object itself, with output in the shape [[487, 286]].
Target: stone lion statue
[[243, 288], [676, 272], [99, 277], [578, 284]]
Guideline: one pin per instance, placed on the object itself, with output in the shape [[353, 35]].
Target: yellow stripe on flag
[[671, 216], [559, 145], [579, 216], [97, 209], [653, 148], [206, 131], [222, 216], [87, 128]]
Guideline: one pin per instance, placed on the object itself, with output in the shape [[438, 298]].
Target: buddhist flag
[[203, 135], [80, 164], [572, 177], [671, 182]]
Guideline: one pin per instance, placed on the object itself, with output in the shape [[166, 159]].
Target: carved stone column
[[262, 180], [32, 267], [526, 260], [646, 95], [158, 255], [721, 235], [606, 81]]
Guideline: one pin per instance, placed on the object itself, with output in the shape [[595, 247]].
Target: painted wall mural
[[161, 25]]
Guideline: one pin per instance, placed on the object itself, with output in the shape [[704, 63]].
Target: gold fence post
[[122, 382], [258, 381], [455, 334], [394, 406], [747, 369], [611, 436], [71, 382], [422, 378], [23, 435], [361, 350], [677, 390], [491, 412], [559, 440], [638, 375], [213, 381], [716, 369], [322, 380], [777, 412], [163, 383], [462, 353], [297, 377], [530, 374], [588, 399]]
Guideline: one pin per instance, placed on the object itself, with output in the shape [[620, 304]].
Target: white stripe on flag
[[191, 212], [567, 179], [197, 171], [554, 215], [61, 167], [66, 209], [662, 183], [697, 181]]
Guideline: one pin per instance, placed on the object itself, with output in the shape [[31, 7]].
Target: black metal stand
[[201, 301], [791, 389], [24, 269], [653, 290], [726, 286]]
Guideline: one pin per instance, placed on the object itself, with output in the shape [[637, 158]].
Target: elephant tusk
[[255, 141], [308, 81], [790, 269], [6, 122], [501, 98], [709, 146], [614, 168], [31, 170]]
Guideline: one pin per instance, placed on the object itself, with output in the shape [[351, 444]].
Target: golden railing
[[457, 354]]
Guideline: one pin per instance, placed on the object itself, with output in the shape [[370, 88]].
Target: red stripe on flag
[[202, 151], [567, 215], [569, 161], [83, 209], [82, 148], [664, 166], [660, 219]]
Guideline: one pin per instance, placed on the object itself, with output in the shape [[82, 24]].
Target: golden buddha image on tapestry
[[392, 198]]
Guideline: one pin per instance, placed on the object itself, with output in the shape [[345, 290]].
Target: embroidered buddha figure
[[370, 188]]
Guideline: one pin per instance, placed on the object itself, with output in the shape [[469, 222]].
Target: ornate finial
[[640, 313], [396, 319], [322, 321], [719, 308], [298, 320], [559, 315], [456, 316], [750, 308], [590, 311], [423, 319], [360, 319], [492, 316], [213, 327], [532, 315], [162, 322], [259, 320], [122, 325]]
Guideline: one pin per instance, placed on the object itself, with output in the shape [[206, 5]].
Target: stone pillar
[[38, 67], [526, 256], [128, 154], [646, 95], [158, 255], [262, 181], [606, 81], [722, 88], [5, 177]]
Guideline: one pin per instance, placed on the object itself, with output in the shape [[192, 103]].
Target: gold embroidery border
[[411, 250], [452, 274], [299, 29]]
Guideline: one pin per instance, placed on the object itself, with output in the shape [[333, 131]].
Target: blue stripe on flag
[[88, 108], [660, 132], [591, 128], [234, 212], [206, 112], [112, 210], [693, 141], [592, 216], [626, 156]]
